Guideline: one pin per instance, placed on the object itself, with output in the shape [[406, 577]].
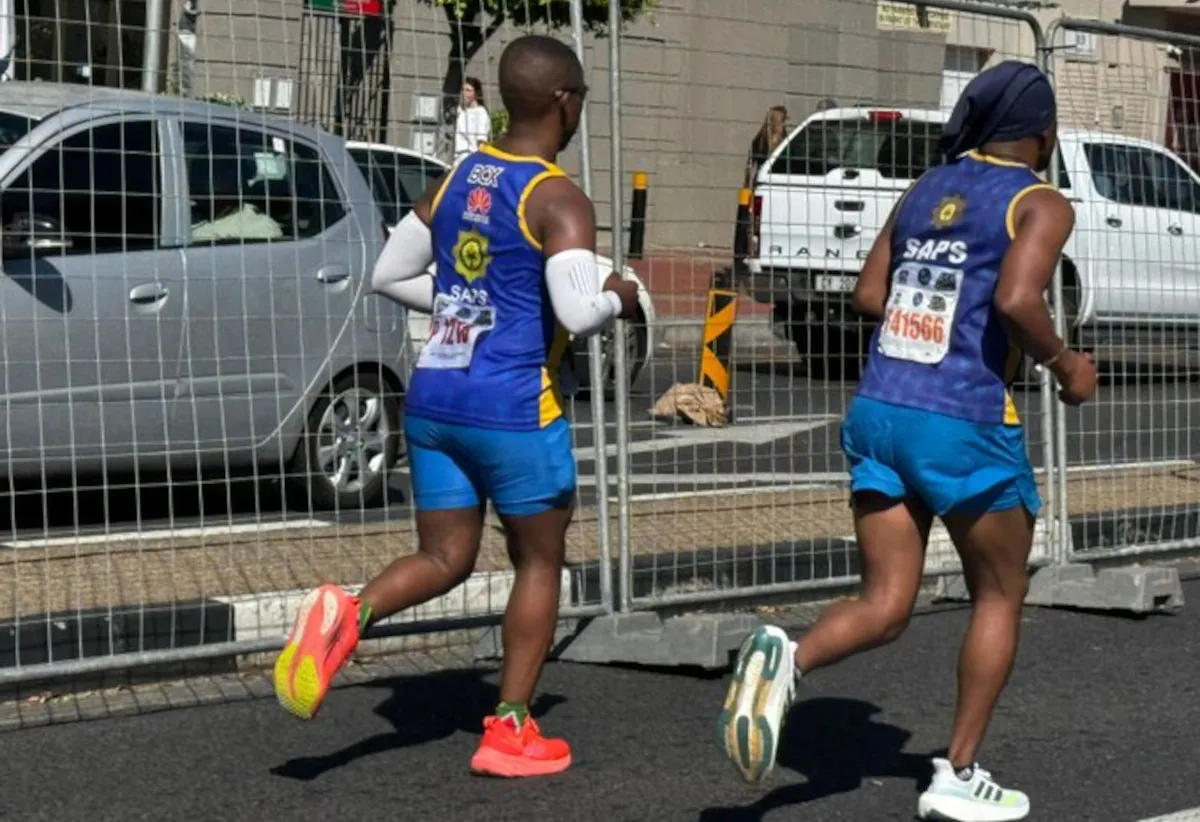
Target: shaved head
[[534, 73]]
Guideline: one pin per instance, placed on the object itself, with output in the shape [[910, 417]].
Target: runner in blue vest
[[514, 241], [956, 279]]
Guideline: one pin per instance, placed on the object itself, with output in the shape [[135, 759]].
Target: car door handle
[[1114, 222], [1175, 231], [332, 274], [148, 293]]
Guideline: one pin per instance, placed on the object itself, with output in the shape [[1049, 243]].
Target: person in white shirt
[[474, 124]]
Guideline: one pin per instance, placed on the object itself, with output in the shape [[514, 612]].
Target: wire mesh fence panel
[[776, 138], [1127, 112], [203, 400]]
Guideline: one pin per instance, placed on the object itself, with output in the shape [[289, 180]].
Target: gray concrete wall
[[698, 76]]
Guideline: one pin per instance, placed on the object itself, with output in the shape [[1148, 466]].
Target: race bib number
[[454, 332], [920, 313]]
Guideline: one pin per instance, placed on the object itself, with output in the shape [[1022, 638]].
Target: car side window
[[1064, 178], [1115, 177], [96, 192], [1174, 186], [413, 176], [248, 186], [1134, 175], [381, 184]]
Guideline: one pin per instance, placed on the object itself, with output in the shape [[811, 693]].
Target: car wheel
[[351, 443]]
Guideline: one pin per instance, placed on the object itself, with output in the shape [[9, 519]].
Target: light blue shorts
[[459, 466], [952, 465]]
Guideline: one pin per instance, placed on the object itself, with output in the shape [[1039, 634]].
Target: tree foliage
[[474, 22]]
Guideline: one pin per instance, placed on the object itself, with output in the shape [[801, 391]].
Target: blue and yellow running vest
[[494, 345], [940, 346]]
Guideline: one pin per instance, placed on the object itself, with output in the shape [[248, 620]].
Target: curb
[[270, 615], [70, 635]]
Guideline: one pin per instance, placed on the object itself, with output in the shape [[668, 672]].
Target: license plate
[[834, 283]]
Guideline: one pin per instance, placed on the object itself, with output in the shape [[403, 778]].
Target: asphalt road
[[1099, 723], [785, 432]]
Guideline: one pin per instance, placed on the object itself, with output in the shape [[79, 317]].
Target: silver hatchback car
[[186, 286]]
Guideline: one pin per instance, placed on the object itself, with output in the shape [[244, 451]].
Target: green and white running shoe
[[764, 683], [978, 799]]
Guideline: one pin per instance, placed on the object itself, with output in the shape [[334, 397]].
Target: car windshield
[[897, 149], [13, 127]]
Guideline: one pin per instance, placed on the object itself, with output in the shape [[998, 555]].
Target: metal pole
[[585, 133], [595, 353], [620, 366], [1055, 509], [1060, 538], [152, 47]]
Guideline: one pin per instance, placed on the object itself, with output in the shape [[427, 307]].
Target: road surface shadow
[[421, 709], [836, 745]]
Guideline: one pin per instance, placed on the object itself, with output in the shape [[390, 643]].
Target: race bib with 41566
[[454, 332], [920, 313]]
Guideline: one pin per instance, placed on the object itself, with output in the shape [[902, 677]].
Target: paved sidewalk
[[120, 573]]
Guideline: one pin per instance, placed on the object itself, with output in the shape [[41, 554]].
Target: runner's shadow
[[421, 709], [835, 744]]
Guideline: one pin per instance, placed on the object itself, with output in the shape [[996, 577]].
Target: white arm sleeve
[[573, 280], [400, 272]]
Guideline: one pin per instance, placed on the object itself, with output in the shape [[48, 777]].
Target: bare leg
[[891, 543], [537, 548], [448, 545], [995, 551]]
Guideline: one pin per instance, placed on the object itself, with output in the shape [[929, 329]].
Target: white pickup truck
[[1131, 271]]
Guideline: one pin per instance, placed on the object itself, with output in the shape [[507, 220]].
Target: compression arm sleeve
[[580, 304], [400, 272]]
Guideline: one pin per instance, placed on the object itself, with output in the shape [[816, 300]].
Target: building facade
[[697, 75]]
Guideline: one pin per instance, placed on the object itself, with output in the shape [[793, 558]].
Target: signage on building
[[351, 8], [908, 17]]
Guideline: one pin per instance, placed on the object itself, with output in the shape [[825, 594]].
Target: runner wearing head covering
[[957, 278]]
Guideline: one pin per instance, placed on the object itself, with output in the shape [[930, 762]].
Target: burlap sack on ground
[[697, 404]]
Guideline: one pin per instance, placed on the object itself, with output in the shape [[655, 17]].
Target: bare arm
[[871, 291], [1043, 221]]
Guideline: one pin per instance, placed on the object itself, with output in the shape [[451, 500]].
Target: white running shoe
[[978, 799], [764, 683]]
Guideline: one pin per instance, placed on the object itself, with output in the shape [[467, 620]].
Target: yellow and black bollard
[[716, 354], [637, 216], [741, 231]]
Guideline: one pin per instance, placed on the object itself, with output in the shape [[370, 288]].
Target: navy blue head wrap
[[1009, 101]]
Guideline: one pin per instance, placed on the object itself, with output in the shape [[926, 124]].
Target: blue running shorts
[[459, 466], [952, 465]]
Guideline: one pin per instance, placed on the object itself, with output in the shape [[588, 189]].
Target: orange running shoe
[[512, 750], [324, 636]]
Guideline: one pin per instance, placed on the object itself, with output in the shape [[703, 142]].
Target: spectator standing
[[774, 129], [473, 125]]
